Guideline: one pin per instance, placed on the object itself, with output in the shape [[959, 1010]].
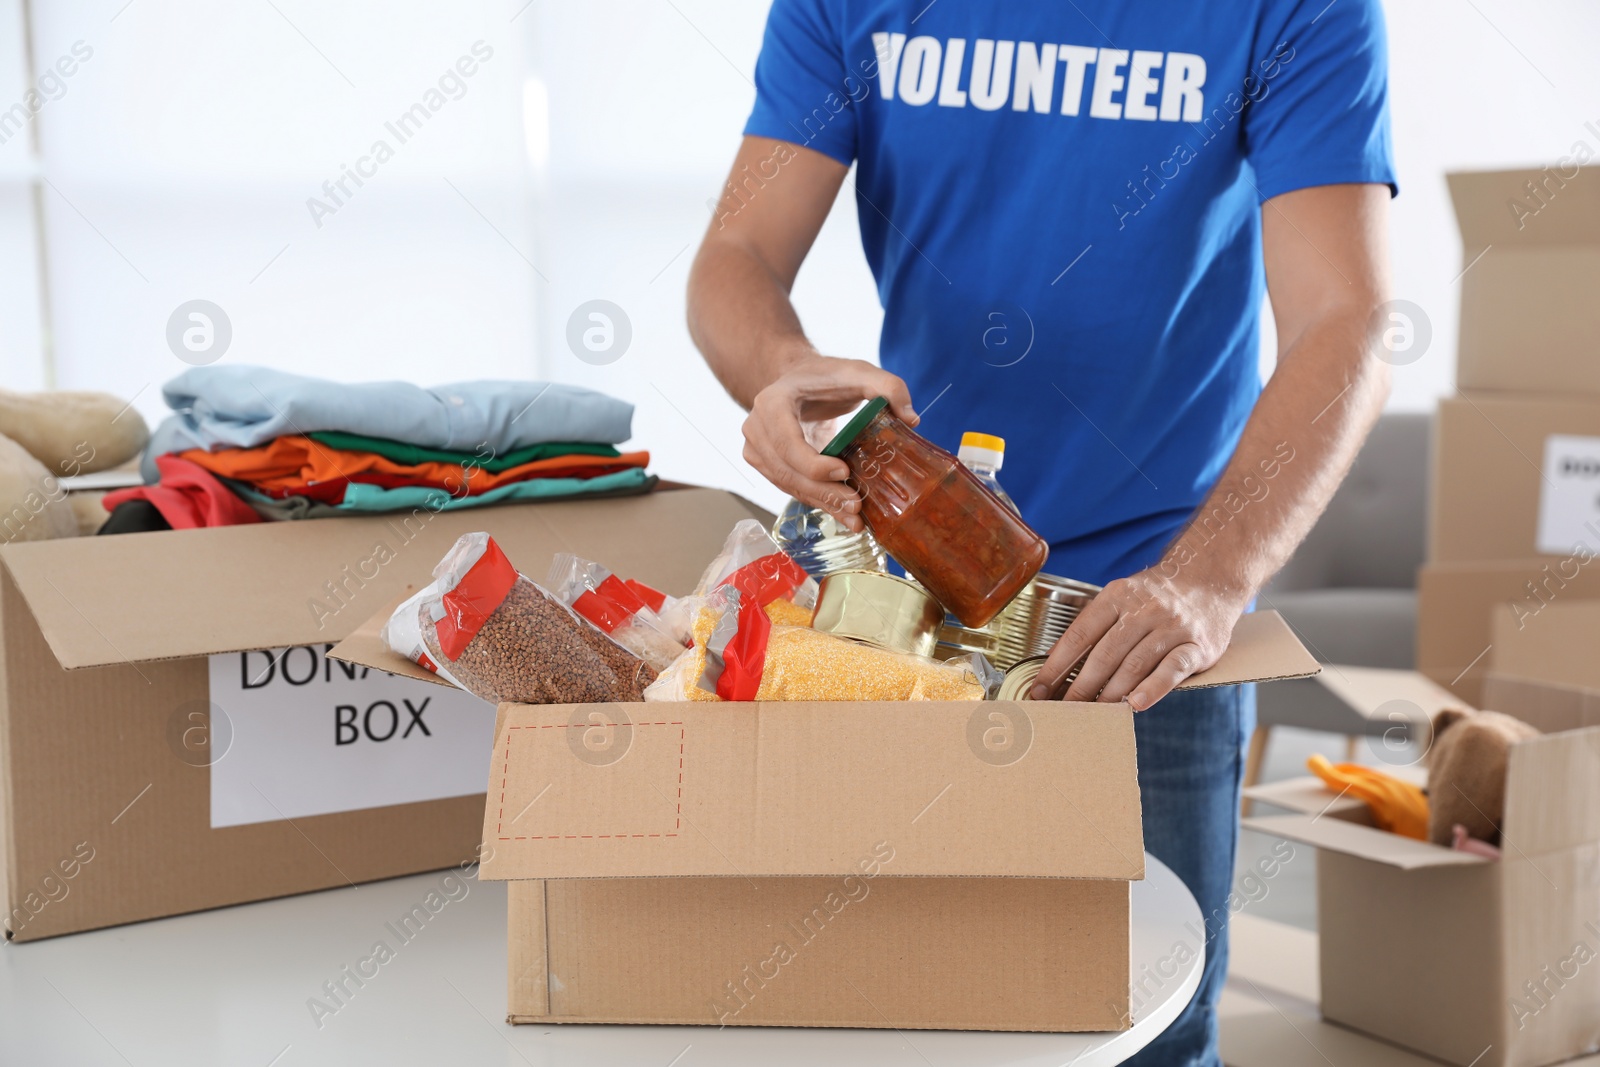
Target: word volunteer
[[1153, 86]]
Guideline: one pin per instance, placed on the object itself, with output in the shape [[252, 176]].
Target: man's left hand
[[1143, 634]]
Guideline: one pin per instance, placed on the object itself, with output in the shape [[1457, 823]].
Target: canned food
[[1033, 622], [880, 608], [1019, 679], [1028, 626]]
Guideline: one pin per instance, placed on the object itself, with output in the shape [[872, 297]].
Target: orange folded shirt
[[1398, 807], [293, 465]]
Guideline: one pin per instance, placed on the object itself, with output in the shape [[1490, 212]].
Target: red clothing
[[299, 466], [188, 497]]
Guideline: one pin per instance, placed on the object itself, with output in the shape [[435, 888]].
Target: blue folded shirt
[[236, 406]]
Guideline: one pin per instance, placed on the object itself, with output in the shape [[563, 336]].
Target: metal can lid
[[853, 428], [1020, 678]]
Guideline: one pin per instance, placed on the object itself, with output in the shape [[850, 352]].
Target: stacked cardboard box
[[1515, 509]]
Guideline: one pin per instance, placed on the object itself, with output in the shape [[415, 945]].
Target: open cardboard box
[[1469, 960], [888, 864], [126, 727]]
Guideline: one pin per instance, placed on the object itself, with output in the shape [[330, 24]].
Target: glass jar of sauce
[[935, 517]]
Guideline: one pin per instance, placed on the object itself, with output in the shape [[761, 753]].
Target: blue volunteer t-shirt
[[1061, 205]]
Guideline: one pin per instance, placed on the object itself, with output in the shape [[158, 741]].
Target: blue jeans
[[1191, 762]]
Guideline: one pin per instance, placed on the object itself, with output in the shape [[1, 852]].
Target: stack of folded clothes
[[247, 444]]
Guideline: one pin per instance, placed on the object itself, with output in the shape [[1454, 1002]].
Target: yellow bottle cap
[[984, 440]]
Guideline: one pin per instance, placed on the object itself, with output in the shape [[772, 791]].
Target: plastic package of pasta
[[501, 636], [739, 653], [617, 607]]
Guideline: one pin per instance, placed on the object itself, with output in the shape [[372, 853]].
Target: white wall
[[1471, 93], [183, 153], [182, 156]]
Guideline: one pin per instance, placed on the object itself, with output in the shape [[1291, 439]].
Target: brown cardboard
[[1530, 251], [85, 761], [1468, 960], [909, 953], [1456, 604], [828, 864], [1488, 457], [1381, 694], [1309, 796], [1548, 705], [1558, 642], [788, 789]]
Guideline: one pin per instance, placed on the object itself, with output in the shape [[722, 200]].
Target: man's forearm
[[741, 319], [1296, 448]]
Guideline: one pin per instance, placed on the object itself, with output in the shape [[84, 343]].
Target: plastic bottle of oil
[[984, 454], [822, 545]]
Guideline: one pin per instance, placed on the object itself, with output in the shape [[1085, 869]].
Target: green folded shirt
[[400, 452], [362, 499]]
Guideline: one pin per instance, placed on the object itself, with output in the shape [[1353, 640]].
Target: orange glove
[[1398, 807]]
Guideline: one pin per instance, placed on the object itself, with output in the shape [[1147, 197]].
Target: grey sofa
[[1349, 592]]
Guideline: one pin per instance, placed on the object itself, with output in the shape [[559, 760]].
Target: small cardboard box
[[1456, 604], [115, 763], [1472, 961], [1530, 252], [1513, 477], [899, 864]]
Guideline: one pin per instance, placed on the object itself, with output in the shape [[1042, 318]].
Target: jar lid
[[853, 428]]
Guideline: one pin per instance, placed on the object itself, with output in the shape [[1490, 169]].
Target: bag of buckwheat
[[503, 637]]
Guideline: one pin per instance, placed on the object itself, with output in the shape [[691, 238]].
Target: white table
[[230, 987]]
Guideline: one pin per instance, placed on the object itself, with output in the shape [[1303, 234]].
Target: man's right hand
[[813, 390]]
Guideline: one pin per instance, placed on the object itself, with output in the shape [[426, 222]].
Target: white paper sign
[[295, 733], [1569, 496]]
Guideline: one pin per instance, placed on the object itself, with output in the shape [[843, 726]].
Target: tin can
[[1019, 679], [1028, 626], [880, 608], [1032, 623]]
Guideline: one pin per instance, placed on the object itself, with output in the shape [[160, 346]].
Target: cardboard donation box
[[1470, 960], [883, 864], [1530, 252], [173, 735], [1515, 476]]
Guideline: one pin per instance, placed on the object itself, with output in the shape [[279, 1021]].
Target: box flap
[[366, 647], [750, 790], [1553, 793], [1379, 694], [1364, 842], [1263, 649], [1552, 642], [182, 593], [1562, 207], [1308, 796]]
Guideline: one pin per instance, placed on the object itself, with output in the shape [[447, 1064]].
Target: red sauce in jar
[[935, 517]]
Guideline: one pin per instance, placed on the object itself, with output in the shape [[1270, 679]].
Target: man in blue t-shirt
[[1072, 212]]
